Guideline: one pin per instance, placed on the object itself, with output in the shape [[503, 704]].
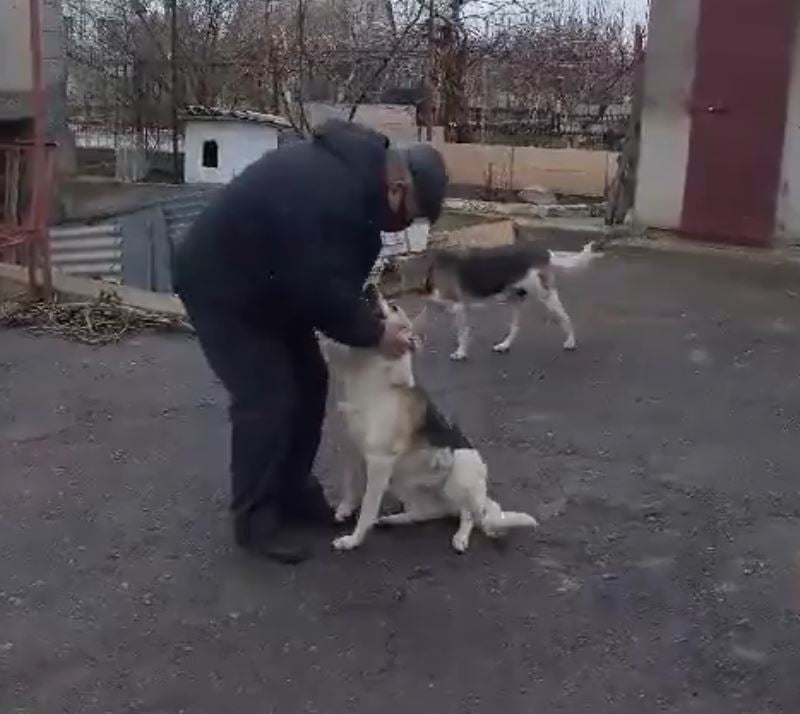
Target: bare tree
[[564, 54], [528, 55]]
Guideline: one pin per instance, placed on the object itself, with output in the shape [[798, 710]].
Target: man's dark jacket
[[291, 240]]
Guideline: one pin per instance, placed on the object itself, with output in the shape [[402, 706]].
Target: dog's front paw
[[346, 542], [501, 348], [458, 356], [569, 344], [460, 542]]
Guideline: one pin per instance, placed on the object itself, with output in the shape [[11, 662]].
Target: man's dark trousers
[[277, 379]]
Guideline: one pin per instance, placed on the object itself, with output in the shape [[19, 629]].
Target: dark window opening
[[210, 154]]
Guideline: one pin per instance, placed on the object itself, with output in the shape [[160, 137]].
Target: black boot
[[262, 533], [308, 506]]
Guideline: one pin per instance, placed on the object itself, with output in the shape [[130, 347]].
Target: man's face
[[402, 207]]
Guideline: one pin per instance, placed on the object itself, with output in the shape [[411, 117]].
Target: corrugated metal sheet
[[88, 251], [180, 213], [137, 240]]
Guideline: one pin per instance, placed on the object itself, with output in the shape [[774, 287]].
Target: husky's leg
[[513, 329], [465, 526], [459, 310], [548, 294], [352, 491], [379, 473]]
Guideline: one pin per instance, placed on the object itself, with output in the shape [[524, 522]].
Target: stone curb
[[543, 224], [15, 280], [529, 210]]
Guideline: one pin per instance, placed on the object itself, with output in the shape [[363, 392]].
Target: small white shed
[[221, 143]]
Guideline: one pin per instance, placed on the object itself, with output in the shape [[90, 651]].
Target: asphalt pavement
[[661, 458]]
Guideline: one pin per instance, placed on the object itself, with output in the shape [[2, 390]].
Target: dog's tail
[[514, 519], [497, 522], [572, 260]]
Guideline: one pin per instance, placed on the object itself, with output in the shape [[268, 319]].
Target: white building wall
[[239, 144], [666, 122], [788, 219]]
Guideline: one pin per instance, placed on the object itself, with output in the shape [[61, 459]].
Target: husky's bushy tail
[[574, 260]]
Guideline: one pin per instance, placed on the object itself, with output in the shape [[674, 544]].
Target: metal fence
[[26, 171], [600, 130], [88, 251], [100, 135]]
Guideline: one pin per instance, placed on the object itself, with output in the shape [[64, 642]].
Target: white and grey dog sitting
[[458, 278], [408, 449]]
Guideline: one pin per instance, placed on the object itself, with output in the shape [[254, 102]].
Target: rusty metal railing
[[25, 191], [27, 179]]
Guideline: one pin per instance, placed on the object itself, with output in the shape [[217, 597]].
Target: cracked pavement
[[661, 458]]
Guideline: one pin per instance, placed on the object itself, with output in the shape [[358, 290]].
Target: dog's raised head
[[357, 363], [377, 303], [390, 311]]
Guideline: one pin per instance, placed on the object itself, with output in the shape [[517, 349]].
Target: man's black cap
[[429, 174]]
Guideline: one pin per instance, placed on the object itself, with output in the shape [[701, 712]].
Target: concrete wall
[[239, 144], [15, 61], [666, 121], [491, 234], [568, 171], [788, 222], [575, 172], [92, 198]]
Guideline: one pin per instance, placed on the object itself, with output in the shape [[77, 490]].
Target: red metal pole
[[40, 199]]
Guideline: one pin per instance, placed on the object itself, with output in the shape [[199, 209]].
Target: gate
[[738, 110]]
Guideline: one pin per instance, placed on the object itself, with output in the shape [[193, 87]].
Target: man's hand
[[396, 340]]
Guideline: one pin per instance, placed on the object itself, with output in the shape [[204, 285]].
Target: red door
[[738, 109]]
